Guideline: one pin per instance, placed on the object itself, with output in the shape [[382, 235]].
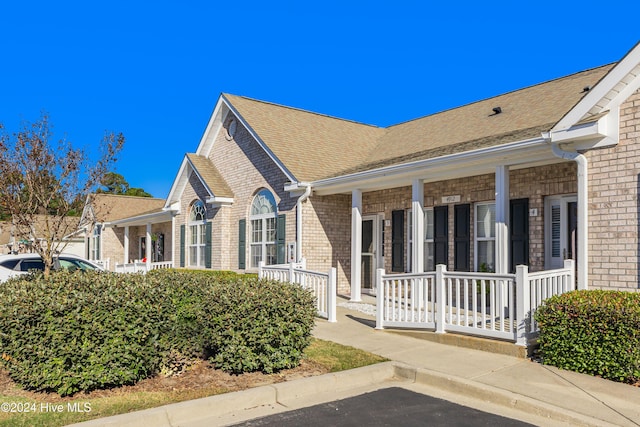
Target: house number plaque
[[450, 199]]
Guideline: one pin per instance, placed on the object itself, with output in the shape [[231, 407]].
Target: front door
[[561, 225], [371, 251]]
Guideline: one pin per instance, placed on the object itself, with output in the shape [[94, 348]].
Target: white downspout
[[583, 211], [301, 199]]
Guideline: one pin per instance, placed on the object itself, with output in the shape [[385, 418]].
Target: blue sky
[[154, 70]]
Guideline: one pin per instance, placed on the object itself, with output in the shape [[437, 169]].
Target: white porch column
[[502, 219], [126, 244], [417, 218], [356, 244], [173, 241], [583, 226], [148, 245]]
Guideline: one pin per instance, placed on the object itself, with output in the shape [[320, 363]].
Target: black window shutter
[[242, 244], [462, 238], [519, 229], [207, 246], [441, 234], [397, 241], [182, 243], [281, 245]]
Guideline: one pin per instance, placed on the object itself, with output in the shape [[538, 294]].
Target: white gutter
[[301, 199], [583, 211], [416, 169]]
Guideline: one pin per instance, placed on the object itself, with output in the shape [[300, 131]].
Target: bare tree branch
[[40, 180]]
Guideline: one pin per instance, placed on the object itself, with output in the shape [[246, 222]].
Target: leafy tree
[[41, 182], [114, 183]]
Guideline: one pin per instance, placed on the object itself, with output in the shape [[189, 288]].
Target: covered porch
[[147, 242], [533, 171]]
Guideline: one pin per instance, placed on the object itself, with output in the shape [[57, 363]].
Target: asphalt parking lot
[[392, 406]]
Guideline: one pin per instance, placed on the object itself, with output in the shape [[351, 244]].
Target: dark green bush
[[79, 331], [243, 324], [261, 325], [211, 274], [84, 331], [594, 332]]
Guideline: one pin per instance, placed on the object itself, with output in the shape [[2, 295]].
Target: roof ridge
[[302, 110], [128, 196]]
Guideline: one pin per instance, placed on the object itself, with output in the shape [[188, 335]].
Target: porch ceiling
[[150, 218], [520, 155]]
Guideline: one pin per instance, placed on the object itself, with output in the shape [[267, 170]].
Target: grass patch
[[333, 357], [337, 357]]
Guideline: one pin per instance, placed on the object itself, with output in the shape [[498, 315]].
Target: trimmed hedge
[[593, 332], [85, 331]]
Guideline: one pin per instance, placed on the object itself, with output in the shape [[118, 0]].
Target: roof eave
[[149, 218], [474, 162], [259, 140], [611, 91]]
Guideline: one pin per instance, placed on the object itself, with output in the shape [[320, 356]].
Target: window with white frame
[[485, 237], [197, 234], [429, 252], [263, 229], [95, 242]]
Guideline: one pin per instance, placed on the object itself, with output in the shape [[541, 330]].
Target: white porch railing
[[486, 304], [322, 285], [161, 265], [141, 267], [131, 267], [104, 263]]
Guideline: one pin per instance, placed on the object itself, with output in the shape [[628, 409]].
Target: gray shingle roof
[[313, 146], [111, 207], [210, 175]]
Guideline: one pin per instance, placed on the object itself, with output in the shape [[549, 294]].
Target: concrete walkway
[[501, 384]]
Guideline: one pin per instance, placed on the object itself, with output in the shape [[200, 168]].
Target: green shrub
[[83, 331], [261, 325], [79, 331], [243, 324], [212, 274], [593, 332]]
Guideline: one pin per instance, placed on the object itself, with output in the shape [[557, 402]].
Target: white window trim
[[263, 243], [199, 245], [95, 241], [476, 237], [428, 240], [425, 240]]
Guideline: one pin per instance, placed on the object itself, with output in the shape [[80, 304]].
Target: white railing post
[[440, 284], [523, 305], [379, 299], [569, 264], [331, 295], [261, 270], [291, 268]]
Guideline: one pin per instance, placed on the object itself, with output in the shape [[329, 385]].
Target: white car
[[16, 265]]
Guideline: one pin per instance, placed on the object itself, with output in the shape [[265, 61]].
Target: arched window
[[197, 230], [263, 228]]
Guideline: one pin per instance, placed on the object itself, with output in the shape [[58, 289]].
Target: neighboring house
[[5, 237], [531, 177], [119, 229], [68, 240]]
